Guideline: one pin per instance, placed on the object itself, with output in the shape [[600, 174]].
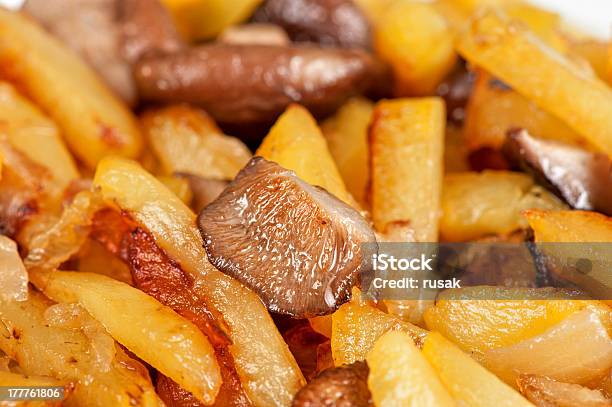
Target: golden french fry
[[152, 331], [417, 43], [406, 142], [516, 56], [493, 109], [203, 19], [467, 381], [33, 134], [185, 139], [400, 375], [295, 142], [356, 326], [475, 205], [268, 371], [94, 121], [347, 137], [68, 345]]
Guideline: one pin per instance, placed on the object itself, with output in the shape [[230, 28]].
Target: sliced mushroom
[[254, 34], [255, 83], [205, 190], [294, 244], [545, 392], [327, 22], [146, 28], [90, 28], [344, 386], [456, 90], [582, 178]]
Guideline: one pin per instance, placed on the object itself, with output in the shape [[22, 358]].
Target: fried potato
[[569, 226], [180, 187], [592, 51], [513, 54], [468, 382], [417, 43], [489, 203], [186, 139], [152, 331], [494, 108], [486, 317], [356, 326], [79, 352], [203, 19], [295, 142], [33, 134], [406, 142], [93, 121], [582, 339], [347, 138], [400, 375], [13, 275], [267, 370]]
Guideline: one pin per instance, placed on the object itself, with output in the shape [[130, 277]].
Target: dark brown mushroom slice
[[204, 190], [146, 28], [582, 178], [297, 246], [326, 22], [255, 83], [456, 90], [345, 386]]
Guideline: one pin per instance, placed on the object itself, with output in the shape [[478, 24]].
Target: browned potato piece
[[65, 343], [186, 139], [543, 391], [592, 51], [347, 137], [489, 203], [406, 141], [418, 44], [513, 54], [494, 108], [94, 122]]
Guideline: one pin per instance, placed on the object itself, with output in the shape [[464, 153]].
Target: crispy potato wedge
[[468, 382], [356, 326], [35, 135], [582, 339], [267, 370], [400, 375], [186, 139], [295, 142], [180, 187], [494, 108], [152, 331], [417, 43], [406, 141], [513, 54], [203, 19], [545, 24], [80, 352], [93, 120], [592, 51], [489, 203], [347, 138], [569, 226], [486, 317]]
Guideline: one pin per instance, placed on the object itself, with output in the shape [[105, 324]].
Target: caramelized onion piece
[[13, 275], [344, 386], [255, 83], [327, 22], [545, 392], [577, 350], [295, 245], [582, 178]]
